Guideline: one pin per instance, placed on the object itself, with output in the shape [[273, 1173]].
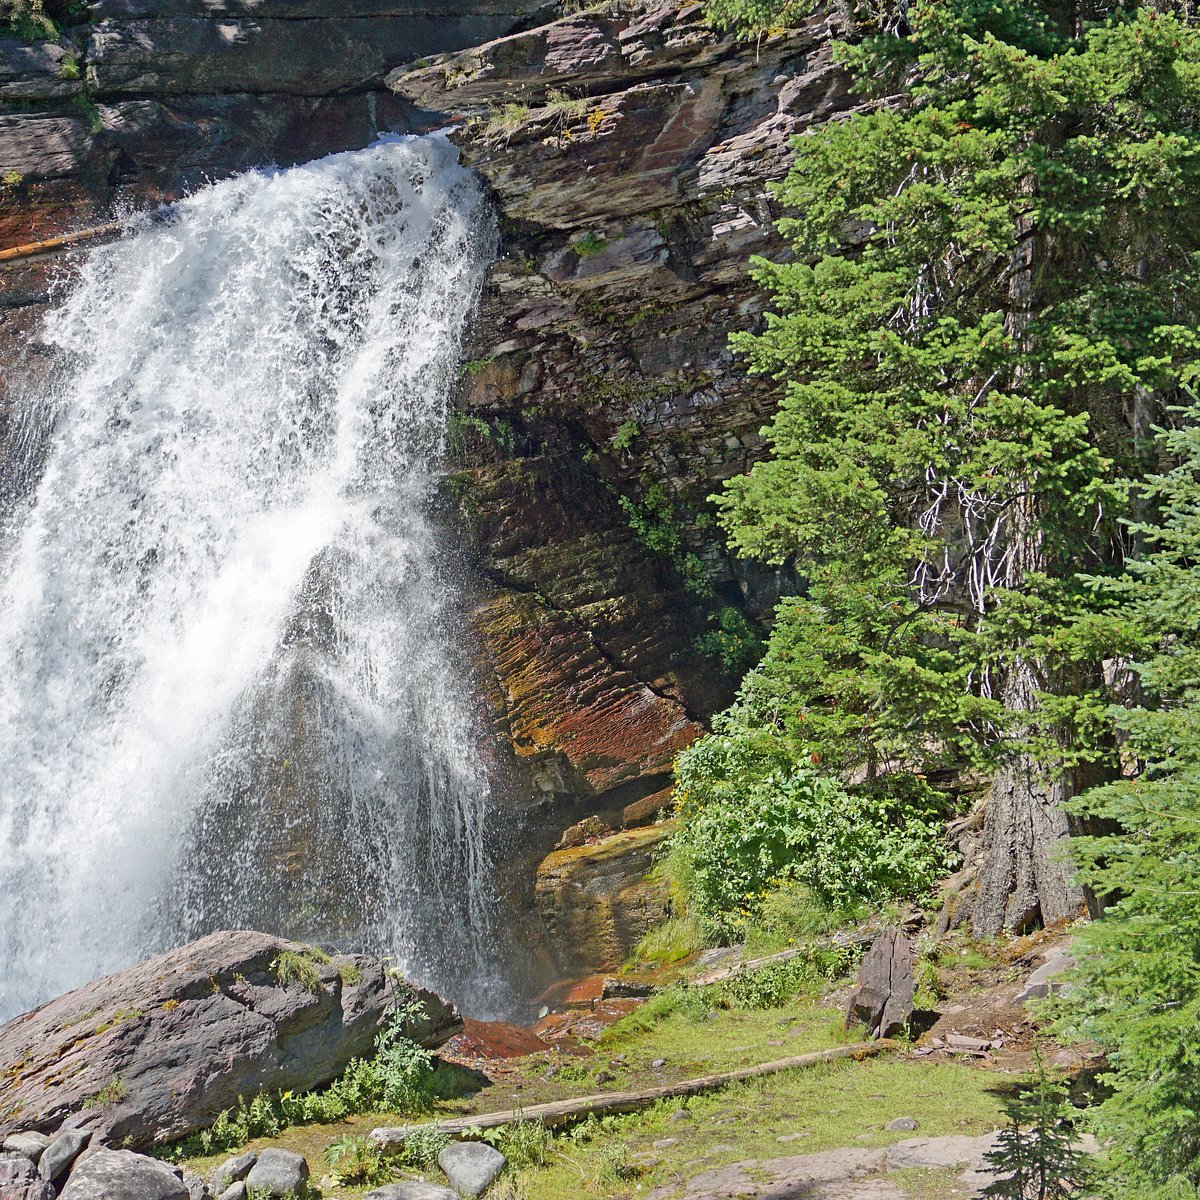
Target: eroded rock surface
[[152, 1053]]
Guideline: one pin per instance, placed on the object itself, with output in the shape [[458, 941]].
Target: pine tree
[[995, 277], [1137, 991]]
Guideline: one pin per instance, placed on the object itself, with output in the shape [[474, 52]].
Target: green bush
[[753, 818], [357, 1160]]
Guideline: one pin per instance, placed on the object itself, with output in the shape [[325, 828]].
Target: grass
[[299, 966]]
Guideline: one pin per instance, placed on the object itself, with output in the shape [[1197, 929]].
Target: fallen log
[[563, 1112], [55, 244], [838, 942]]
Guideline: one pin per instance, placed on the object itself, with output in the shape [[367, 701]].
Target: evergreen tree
[[1137, 991], [994, 283]]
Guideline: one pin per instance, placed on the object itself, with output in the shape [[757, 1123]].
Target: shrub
[[422, 1146], [754, 818], [357, 1160]]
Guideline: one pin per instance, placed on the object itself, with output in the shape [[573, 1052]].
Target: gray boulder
[[278, 1172], [187, 1033], [123, 1175], [235, 1191], [471, 1166], [19, 1180], [411, 1190], [28, 1144], [57, 1157], [231, 1170], [1045, 980]]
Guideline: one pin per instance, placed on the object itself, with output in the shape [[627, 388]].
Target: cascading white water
[[228, 694]]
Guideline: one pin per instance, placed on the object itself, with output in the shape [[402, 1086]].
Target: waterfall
[[229, 688]]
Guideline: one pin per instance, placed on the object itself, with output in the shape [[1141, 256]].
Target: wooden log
[[563, 1112], [56, 244], [720, 974]]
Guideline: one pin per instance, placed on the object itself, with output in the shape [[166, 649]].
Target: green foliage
[[753, 18], [355, 1160], [112, 1093], [421, 1147], [627, 431], [27, 20], [1137, 987], [1037, 1157], [655, 523], [299, 966], [12, 179], [733, 641], [588, 245], [946, 455], [523, 1142], [399, 1078], [753, 817]]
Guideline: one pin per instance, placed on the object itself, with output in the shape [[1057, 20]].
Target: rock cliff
[[629, 151]]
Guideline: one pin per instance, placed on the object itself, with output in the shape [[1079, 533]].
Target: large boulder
[[19, 1180], [152, 1053], [122, 1175]]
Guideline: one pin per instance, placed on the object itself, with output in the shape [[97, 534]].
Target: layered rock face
[[630, 153]]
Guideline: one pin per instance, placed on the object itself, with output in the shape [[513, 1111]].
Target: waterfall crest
[[228, 688]]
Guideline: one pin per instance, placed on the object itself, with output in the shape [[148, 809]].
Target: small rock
[[645, 1160], [196, 1187], [659, 1062], [231, 1170], [903, 1125], [617, 1059], [974, 1045], [792, 1137], [625, 989], [57, 1157], [412, 1189], [1043, 982], [235, 1191], [122, 1175], [30, 1145], [19, 1180], [720, 1148], [278, 1172], [471, 1166], [605, 1077], [680, 1114], [663, 1143]]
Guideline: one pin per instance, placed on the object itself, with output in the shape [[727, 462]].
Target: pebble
[[659, 1062], [903, 1125]]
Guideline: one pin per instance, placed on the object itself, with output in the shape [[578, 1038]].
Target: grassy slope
[[836, 1105]]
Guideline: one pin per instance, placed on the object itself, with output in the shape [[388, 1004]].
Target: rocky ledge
[[152, 1053]]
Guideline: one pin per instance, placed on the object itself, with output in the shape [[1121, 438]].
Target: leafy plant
[[588, 245], [421, 1147], [27, 20], [627, 433], [12, 179], [357, 1160], [734, 642], [753, 818], [523, 1142], [112, 1093]]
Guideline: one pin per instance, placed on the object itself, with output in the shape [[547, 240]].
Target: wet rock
[[28, 1144], [231, 1170], [57, 1157], [471, 1166], [182, 1036], [277, 1173], [19, 1180], [601, 899], [579, 834], [122, 1175]]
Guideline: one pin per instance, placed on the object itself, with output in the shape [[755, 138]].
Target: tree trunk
[[1024, 878]]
